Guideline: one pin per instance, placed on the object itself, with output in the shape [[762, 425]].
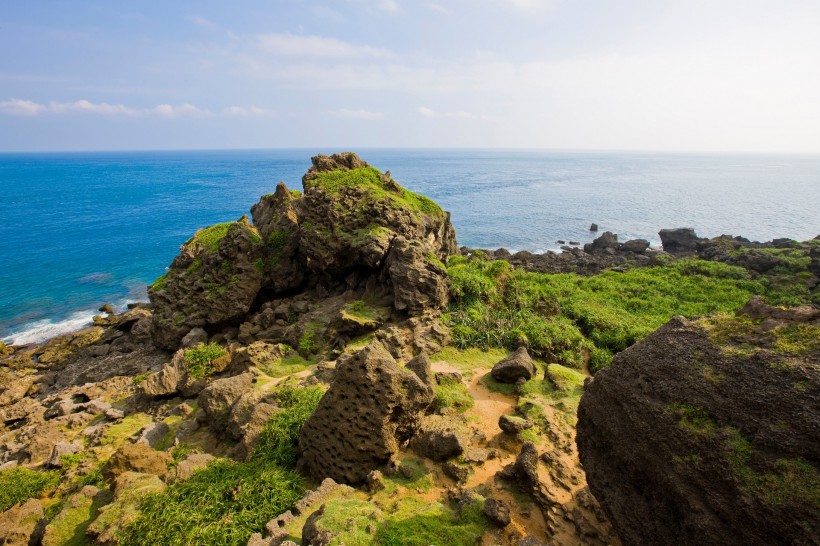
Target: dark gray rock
[[513, 367]]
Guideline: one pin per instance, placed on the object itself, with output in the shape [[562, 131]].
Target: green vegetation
[[369, 179], [287, 365], [277, 240], [199, 359], [17, 485], [787, 482], [471, 358], [69, 526], [160, 283], [573, 320], [452, 394], [417, 523], [742, 335], [364, 313], [208, 238], [693, 418], [227, 501], [311, 340], [139, 378]]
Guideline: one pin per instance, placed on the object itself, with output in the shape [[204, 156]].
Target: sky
[[651, 75]]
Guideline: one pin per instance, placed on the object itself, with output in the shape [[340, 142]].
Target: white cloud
[[426, 112], [327, 13], [248, 112], [292, 45], [182, 110], [357, 114], [20, 107], [83, 105]]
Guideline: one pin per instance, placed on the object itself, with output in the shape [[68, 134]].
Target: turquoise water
[[79, 230]]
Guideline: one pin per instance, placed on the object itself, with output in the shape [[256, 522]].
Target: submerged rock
[[709, 432]]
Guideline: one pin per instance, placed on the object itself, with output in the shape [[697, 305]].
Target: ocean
[[82, 229]]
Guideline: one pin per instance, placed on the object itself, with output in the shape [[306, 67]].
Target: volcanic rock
[[218, 398], [372, 407], [704, 433], [513, 367], [440, 438], [679, 240]]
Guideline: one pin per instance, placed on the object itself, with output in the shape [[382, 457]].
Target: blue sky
[[713, 76]]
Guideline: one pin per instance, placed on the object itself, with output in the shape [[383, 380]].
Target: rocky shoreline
[[323, 338]]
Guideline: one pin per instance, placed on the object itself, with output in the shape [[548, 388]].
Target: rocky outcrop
[[708, 432], [516, 366], [373, 406], [352, 224], [679, 240], [219, 397]]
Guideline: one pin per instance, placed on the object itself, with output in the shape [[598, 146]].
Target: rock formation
[[708, 432], [372, 408], [352, 223]]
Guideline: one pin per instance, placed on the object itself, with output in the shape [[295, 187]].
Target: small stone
[[593, 227], [455, 471], [497, 511], [375, 481]]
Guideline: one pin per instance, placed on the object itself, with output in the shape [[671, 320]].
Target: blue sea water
[[82, 229]]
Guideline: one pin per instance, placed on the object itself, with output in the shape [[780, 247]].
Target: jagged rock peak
[[352, 227]]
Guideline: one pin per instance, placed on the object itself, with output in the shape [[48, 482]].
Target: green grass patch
[[693, 418], [288, 365], [471, 358], [228, 501], [369, 179], [417, 523], [569, 319], [68, 528], [452, 394], [208, 238], [116, 435], [17, 485], [199, 359]]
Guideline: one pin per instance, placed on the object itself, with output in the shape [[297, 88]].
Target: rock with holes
[[373, 407]]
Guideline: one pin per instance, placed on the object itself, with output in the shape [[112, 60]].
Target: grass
[[228, 501], [199, 359], [68, 528], [17, 485], [417, 523], [471, 358], [116, 435], [369, 179], [365, 314], [311, 340], [285, 366], [452, 394], [208, 238], [572, 320]]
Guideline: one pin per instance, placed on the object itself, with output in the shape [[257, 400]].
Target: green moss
[[288, 365], [797, 339], [693, 418], [17, 485], [277, 240], [565, 379], [194, 267], [259, 265], [160, 283], [199, 359], [208, 238], [470, 359], [418, 523], [139, 378], [115, 435], [452, 394], [68, 528]]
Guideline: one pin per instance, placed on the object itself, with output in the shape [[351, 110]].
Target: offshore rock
[[372, 408], [709, 432]]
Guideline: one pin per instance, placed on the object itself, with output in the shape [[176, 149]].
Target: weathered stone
[[372, 407], [218, 398], [497, 511], [606, 241], [681, 455], [191, 464], [513, 424], [137, 458], [638, 246], [440, 438], [19, 525], [679, 240], [194, 337], [513, 367]]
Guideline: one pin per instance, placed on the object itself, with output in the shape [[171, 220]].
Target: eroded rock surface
[[372, 407], [709, 432]]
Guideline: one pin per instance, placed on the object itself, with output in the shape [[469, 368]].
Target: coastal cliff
[[333, 369]]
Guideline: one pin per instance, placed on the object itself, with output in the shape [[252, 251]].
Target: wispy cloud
[[248, 112], [430, 113], [20, 107], [291, 45], [203, 22], [389, 6], [103, 108], [357, 114]]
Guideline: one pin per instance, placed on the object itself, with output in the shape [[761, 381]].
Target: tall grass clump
[[17, 485]]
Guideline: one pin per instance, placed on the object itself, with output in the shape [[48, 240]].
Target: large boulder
[[516, 366], [218, 398], [373, 407], [708, 432], [679, 240]]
